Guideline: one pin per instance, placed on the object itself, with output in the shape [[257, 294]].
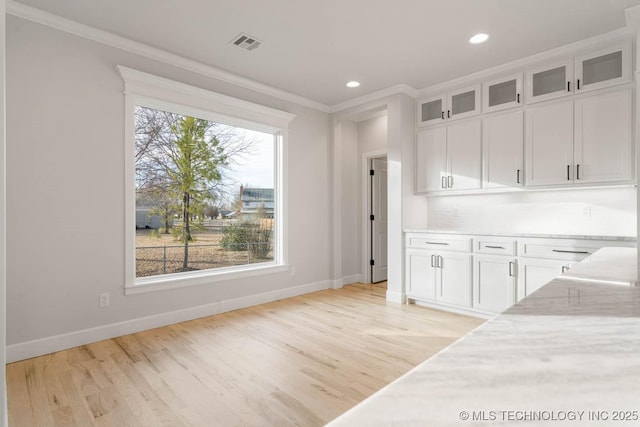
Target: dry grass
[[161, 254]]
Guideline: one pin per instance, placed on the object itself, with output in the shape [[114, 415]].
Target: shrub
[[234, 237]]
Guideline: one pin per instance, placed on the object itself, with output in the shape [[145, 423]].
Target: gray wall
[[65, 127]]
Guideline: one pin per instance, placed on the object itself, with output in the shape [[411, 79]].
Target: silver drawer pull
[[494, 247], [569, 252], [437, 243]]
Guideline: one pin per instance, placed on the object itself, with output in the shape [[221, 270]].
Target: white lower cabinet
[[535, 273], [421, 274], [436, 276], [453, 278], [494, 283], [487, 274]]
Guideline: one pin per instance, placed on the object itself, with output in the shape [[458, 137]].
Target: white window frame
[[148, 90]]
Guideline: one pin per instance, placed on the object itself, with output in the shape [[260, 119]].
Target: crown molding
[[374, 96], [85, 31]]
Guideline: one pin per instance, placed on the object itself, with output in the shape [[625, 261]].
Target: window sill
[[181, 280]]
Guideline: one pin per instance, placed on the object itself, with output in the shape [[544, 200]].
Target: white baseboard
[[336, 284], [39, 347], [349, 280]]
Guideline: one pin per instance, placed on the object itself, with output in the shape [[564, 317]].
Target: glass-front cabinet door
[[463, 103], [502, 93], [604, 68], [550, 81], [432, 110]]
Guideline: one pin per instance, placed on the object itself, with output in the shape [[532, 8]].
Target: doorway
[[377, 205]]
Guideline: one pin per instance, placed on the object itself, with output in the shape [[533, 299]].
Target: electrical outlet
[[104, 300], [293, 271]]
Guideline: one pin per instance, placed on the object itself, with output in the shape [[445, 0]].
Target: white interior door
[[378, 220]]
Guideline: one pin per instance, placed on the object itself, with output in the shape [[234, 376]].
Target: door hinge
[[372, 172], [371, 217], [372, 262]]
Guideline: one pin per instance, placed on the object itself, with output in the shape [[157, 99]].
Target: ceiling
[[313, 47]]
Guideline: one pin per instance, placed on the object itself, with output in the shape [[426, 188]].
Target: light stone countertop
[[525, 235], [567, 355]]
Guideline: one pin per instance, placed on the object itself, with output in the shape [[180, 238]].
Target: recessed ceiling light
[[479, 38], [353, 84]]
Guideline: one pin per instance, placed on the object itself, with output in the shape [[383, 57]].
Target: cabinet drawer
[[440, 243], [495, 246], [570, 252]]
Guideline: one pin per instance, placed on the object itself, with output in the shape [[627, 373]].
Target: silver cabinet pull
[[437, 243], [433, 261], [577, 171], [444, 182], [450, 181], [439, 261], [494, 247], [569, 252], [511, 268], [518, 176]]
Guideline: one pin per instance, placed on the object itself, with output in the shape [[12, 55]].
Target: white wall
[[65, 180], [350, 194], [3, 386], [372, 135], [587, 212]]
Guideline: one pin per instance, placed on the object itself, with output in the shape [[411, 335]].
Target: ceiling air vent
[[246, 41]]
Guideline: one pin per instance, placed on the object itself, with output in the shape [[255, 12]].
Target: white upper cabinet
[[431, 160], [550, 81], [463, 103], [449, 157], [502, 150], [549, 144], [432, 110], [604, 68], [502, 93], [585, 141], [452, 105], [596, 70], [464, 155], [603, 137]]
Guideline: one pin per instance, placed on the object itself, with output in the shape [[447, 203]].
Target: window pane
[[205, 194]]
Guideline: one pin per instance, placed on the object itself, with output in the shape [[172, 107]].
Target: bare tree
[[181, 164]]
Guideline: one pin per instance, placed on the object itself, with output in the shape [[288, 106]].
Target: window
[[205, 199]]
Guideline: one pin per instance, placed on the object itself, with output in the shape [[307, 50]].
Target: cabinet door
[[603, 68], [494, 283], [550, 81], [535, 273], [549, 144], [421, 274], [432, 110], [502, 93], [503, 146], [454, 279], [603, 137], [463, 103], [464, 158], [431, 159]]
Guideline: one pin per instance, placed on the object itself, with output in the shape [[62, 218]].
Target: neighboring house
[[253, 199], [144, 219]]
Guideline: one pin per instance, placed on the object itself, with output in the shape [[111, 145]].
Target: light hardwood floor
[[300, 361]]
